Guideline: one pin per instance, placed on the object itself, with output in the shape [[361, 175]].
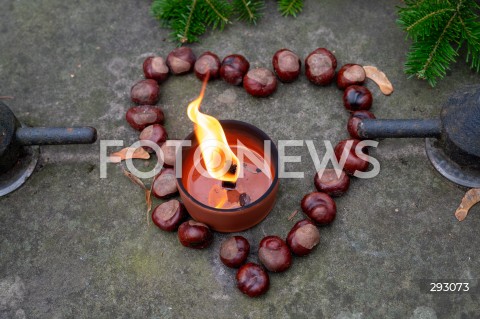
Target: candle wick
[[229, 185]]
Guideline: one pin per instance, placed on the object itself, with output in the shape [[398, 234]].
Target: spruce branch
[[248, 10], [217, 13], [290, 7], [430, 58], [186, 25], [188, 19], [470, 29], [439, 29]]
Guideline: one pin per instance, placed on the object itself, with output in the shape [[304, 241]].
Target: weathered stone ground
[[73, 245]]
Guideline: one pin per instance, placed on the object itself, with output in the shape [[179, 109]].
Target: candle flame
[[217, 197], [220, 161]]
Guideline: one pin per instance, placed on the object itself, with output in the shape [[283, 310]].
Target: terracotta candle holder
[[253, 197]]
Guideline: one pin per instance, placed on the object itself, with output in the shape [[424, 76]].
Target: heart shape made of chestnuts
[[274, 253]]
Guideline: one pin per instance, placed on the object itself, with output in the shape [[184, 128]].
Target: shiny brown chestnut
[[169, 155], [155, 68], [350, 74], [353, 162], [260, 82], [287, 65], [196, 235], [234, 251], [233, 69], [355, 120], [319, 207], [181, 60], [274, 254], [327, 181], [155, 133], [303, 237], [165, 184], [145, 92], [320, 66], [356, 97], [207, 63], [252, 280], [244, 199], [168, 216], [139, 117]]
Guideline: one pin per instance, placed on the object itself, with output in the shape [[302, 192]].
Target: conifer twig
[[440, 39], [189, 21], [439, 29]]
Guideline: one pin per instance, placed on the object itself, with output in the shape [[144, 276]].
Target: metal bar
[[370, 128], [55, 135]]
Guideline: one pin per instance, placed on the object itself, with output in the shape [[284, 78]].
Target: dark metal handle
[[55, 135], [369, 128]]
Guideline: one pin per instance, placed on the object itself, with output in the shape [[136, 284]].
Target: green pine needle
[[290, 7], [248, 10], [189, 19], [470, 30], [439, 29], [430, 59], [216, 13], [167, 10]]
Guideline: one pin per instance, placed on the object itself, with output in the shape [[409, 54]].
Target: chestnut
[[139, 117], [234, 251], [169, 215], [328, 182], [145, 92], [181, 60], [244, 199], [169, 155], [356, 97], [207, 63], [193, 234], [320, 66], [355, 120], [353, 162], [260, 82], [274, 254], [155, 68], [319, 207], [252, 280], [155, 133], [287, 65], [233, 69], [165, 184], [303, 237], [350, 74]]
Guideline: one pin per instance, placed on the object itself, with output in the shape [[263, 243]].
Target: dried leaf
[[148, 199], [134, 178], [471, 198], [123, 154], [380, 78], [292, 215], [148, 191]]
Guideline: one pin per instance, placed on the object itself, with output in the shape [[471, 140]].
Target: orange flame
[[217, 154], [217, 196]]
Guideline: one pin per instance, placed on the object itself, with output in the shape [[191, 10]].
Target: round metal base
[[17, 175], [452, 171]]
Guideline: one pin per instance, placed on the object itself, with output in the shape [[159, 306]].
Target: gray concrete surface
[[73, 245]]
